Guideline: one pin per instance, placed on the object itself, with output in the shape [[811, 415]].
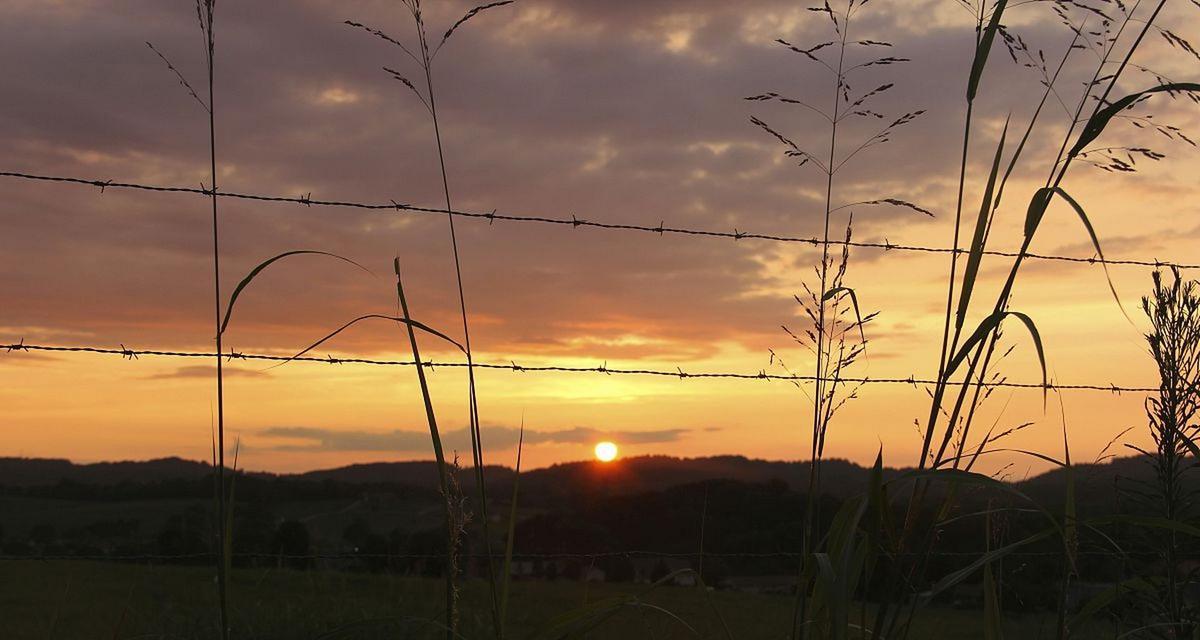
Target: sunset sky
[[625, 112]]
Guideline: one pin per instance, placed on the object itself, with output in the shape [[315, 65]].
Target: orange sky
[[609, 111]]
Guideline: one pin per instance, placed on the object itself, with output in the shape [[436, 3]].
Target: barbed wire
[[133, 354], [598, 555], [575, 222]]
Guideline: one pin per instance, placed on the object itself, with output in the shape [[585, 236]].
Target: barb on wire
[[574, 222], [601, 369]]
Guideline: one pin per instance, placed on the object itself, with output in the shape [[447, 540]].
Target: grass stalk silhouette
[[1167, 499], [977, 351], [473, 401], [827, 339], [438, 452], [967, 356], [223, 489], [424, 57], [510, 539], [205, 11]]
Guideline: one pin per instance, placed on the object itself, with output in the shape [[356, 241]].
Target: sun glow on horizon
[[606, 451]]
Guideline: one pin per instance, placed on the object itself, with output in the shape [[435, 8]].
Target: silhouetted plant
[[968, 357], [1163, 607], [423, 54], [836, 339], [205, 14]]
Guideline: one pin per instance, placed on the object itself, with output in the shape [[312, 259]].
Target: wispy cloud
[[414, 441], [201, 371]]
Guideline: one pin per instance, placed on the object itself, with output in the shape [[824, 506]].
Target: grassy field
[[67, 600]]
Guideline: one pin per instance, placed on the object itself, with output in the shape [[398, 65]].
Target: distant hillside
[[415, 472], [649, 502], [563, 482], [31, 472], [558, 484], [630, 475]]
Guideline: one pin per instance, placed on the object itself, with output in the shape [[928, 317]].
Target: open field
[[68, 600]]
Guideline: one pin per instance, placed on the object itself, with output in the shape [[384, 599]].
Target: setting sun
[[606, 452]]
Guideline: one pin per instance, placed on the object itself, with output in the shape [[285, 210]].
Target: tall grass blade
[[984, 49], [1070, 536], [1095, 243], [1106, 598], [1070, 514], [990, 325], [227, 547], [993, 626], [411, 324], [950, 580], [579, 622], [237, 291], [205, 11], [426, 62], [858, 317], [439, 455], [1099, 120], [975, 255], [512, 533]]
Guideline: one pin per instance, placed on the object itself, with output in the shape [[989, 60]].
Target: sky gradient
[[609, 111]]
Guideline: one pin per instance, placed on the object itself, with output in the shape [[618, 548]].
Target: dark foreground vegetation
[[82, 600], [729, 523]]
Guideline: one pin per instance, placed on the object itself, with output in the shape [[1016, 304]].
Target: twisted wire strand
[[134, 354], [578, 223], [152, 557]]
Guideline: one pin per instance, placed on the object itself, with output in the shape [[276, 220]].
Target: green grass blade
[[959, 476], [1070, 517], [438, 452], [984, 48], [881, 514], [666, 612], [411, 324], [266, 263], [1105, 598], [227, 547], [1087, 223], [1037, 210], [956, 577], [992, 323], [993, 627], [1025, 452], [512, 529], [834, 292], [579, 621], [713, 606], [1101, 118], [975, 256]]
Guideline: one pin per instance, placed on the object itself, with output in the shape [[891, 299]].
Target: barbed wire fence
[[135, 354], [662, 230], [576, 223], [594, 555]]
